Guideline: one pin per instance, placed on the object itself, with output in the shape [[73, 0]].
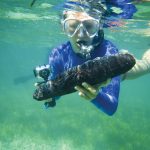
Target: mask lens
[[70, 26], [92, 26]]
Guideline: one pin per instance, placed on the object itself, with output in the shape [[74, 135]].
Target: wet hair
[[105, 10], [93, 8]]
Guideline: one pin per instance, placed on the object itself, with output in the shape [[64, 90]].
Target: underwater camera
[[42, 72]]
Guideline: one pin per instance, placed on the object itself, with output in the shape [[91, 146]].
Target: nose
[[81, 32]]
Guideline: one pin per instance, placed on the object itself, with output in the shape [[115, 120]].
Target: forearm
[[106, 103], [141, 67]]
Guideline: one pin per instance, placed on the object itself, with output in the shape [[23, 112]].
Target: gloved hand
[[41, 92], [88, 91], [39, 95]]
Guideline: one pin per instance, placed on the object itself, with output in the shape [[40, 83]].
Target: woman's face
[[81, 28]]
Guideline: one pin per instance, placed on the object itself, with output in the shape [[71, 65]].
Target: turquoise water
[[26, 37]]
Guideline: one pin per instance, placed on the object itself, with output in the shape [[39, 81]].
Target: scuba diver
[[83, 22]]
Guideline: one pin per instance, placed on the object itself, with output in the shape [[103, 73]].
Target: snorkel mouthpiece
[[85, 49]]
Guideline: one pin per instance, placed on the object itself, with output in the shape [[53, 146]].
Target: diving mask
[[90, 26]]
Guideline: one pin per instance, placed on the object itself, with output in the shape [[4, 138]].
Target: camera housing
[[42, 72]]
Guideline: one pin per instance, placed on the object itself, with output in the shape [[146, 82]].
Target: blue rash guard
[[63, 58]]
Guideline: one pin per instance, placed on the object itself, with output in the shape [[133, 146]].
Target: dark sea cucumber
[[93, 72]]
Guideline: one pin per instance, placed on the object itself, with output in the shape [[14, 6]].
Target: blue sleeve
[[58, 60], [107, 98], [56, 65]]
